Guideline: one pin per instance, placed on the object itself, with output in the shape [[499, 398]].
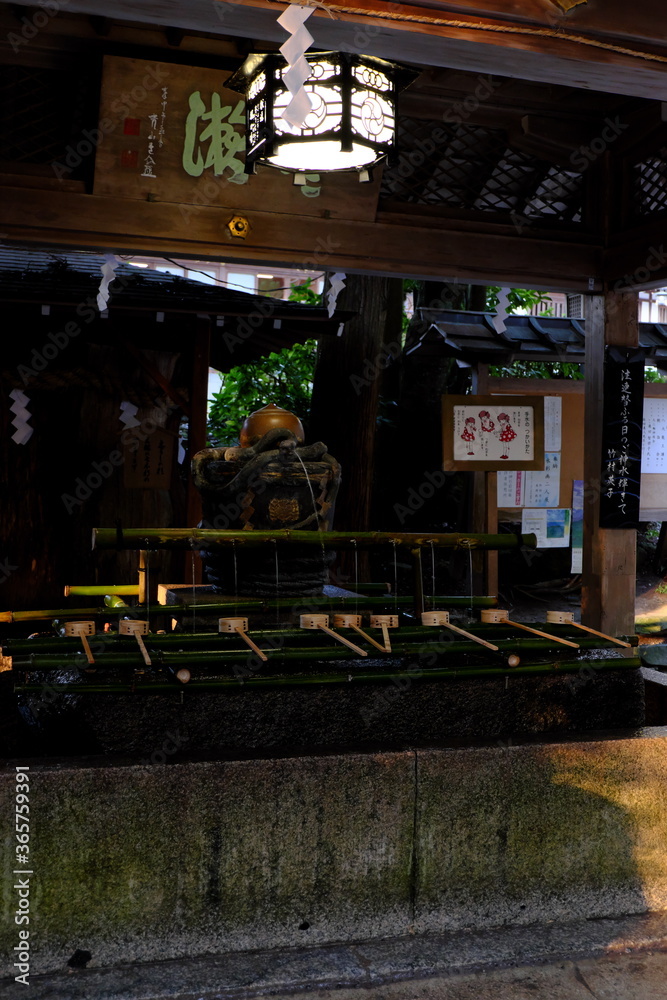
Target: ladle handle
[[469, 635], [603, 635], [385, 636], [87, 649], [545, 635], [369, 638], [256, 649], [341, 638], [142, 647]]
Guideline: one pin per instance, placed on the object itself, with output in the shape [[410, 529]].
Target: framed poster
[[493, 433]]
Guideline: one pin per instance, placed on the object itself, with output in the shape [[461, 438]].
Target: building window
[[267, 284]]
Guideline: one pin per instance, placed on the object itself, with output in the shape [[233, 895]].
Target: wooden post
[[485, 506], [197, 429], [610, 555]]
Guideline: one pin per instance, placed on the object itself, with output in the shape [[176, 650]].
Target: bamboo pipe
[[354, 622], [567, 618], [189, 538], [114, 601], [251, 603], [322, 622], [128, 658], [29, 651], [95, 590], [528, 669], [137, 629], [82, 630], [240, 626], [499, 616]]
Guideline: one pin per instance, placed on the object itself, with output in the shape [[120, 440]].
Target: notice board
[[653, 490]]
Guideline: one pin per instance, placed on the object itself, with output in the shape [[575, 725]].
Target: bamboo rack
[[250, 604], [344, 679], [129, 657], [198, 538]]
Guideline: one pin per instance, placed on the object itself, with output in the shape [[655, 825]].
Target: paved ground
[[627, 977], [621, 959]]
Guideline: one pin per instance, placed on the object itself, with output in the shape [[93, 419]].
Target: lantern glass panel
[[371, 77], [256, 86], [325, 114], [372, 117]]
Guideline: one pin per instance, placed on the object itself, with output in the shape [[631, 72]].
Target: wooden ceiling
[[605, 45], [552, 84]]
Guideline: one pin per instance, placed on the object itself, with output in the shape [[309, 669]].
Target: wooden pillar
[[485, 507], [610, 555], [197, 430], [345, 395]]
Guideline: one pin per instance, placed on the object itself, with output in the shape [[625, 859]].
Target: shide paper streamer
[[23, 431], [128, 414], [502, 311], [292, 20], [336, 284], [108, 270]]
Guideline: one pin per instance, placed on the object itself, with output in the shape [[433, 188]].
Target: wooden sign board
[[488, 434], [148, 461], [173, 133]]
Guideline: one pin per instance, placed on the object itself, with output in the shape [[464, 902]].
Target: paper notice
[[553, 419], [552, 526]]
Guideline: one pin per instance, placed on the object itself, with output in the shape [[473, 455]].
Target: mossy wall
[[135, 863]]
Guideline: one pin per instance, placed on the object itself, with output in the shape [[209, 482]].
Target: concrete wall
[[139, 862]]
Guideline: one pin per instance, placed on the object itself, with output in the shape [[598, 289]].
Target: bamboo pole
[[410, 640], [196, 538], [244, 603], [101, 590], [315, 680]]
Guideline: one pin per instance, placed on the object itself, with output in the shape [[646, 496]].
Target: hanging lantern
[[352, 121]]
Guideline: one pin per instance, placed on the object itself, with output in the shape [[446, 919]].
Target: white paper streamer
[[128, 414], [21, 417], [336, 283], [292, 20], [108, 274], [501, 310]]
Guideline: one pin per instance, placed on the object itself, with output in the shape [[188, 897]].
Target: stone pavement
[[622, 959]]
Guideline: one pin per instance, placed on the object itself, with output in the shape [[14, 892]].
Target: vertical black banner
[[622, 437]]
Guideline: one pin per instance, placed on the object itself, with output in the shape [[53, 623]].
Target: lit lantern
[[352, 121]]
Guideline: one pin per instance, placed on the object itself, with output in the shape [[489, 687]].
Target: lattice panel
[[649, 188], [474, 168], [41, 111]]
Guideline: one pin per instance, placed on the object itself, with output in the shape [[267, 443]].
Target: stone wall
[[134, 862]]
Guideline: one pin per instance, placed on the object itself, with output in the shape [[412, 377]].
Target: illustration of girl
[[486, 422], [469, 434], [507, 433]]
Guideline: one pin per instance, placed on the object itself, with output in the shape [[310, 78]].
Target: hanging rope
[[562, 34]]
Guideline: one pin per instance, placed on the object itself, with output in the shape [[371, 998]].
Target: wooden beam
[[197, 431], [382, 248], [609, 561], [607, 47]]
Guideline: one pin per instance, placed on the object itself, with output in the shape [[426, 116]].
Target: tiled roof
[[472, 338]]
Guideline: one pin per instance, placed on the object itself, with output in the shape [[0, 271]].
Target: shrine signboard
[[173, 133], [622, 437]]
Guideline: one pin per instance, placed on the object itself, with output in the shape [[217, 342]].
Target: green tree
[[282, 377]]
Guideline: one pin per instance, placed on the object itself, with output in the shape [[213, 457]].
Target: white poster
[[553, 420], [654, 436], [542, 489], [552, 526], [510, 489], [490, 432]]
